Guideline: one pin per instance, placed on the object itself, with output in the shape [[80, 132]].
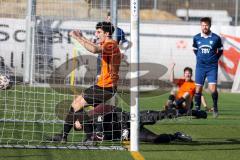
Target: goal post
[[134, 137], [30, 32]]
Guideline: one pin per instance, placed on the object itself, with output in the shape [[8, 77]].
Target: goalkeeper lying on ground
[[116, 124]]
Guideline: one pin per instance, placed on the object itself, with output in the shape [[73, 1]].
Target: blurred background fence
[[151, 10]]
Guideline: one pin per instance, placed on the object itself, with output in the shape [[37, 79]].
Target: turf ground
[[212, 138]]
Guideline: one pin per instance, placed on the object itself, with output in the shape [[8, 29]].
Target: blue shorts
[[203, 73]]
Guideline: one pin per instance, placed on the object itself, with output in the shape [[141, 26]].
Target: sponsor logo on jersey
[[205, 49]]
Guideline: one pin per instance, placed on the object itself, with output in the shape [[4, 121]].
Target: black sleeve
[[219, 47]]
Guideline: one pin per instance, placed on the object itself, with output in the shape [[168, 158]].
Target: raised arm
[[85, 42]]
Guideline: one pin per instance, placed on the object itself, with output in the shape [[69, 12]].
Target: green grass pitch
[[212, 138]]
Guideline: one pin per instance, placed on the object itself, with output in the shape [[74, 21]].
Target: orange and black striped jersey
[[111, 59]]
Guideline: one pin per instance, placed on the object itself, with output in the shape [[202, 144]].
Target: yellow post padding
[[74, 66], [137, 155]]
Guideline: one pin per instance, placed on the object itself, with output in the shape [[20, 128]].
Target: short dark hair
[[188, 69], [207, 20], [106, 27]]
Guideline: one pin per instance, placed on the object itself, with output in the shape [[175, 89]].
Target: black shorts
[[95, 95]]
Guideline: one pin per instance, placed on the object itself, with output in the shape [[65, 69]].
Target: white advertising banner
[[159, 43]]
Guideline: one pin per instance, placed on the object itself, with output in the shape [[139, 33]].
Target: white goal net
[[54, 70], [48, 69]]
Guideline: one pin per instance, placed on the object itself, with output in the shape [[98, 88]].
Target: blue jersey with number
[[208, 49]]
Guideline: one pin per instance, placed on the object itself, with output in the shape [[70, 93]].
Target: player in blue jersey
[[208, 49]]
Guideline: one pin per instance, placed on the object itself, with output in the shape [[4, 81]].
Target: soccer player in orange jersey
[[106, 86], [181, 97]]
